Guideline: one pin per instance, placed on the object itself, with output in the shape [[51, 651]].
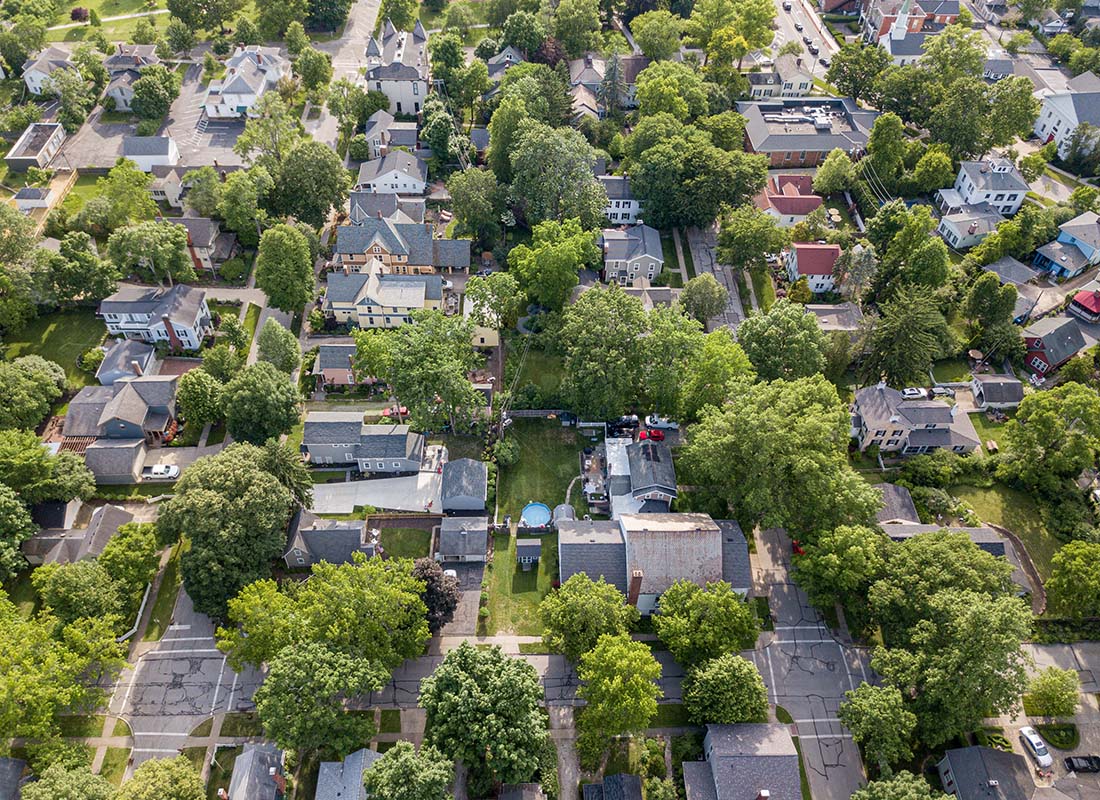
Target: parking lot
[[96, 144], [201, 141]]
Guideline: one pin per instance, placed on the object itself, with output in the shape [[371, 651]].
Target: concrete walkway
[[135, 15], [682, 264]]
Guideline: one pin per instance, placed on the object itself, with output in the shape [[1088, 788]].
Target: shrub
[[93, 18], [359, 148], [79, 14], [506, 452], [91, 359], [148, 127], [233, 270], [548, 769], [109, 103]]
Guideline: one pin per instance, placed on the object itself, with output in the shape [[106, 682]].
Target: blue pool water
[[535, 515]]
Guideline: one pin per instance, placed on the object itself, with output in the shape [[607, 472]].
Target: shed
[[465, 486], [997, 391], [563, 513], [528, 552], [897, 504], [31, 197], [463, 539]]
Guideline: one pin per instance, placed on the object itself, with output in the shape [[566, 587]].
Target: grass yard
[[671, 278], [460, 446], [514, 595], [1015, 510], [116, 31], [763, 288], [406, 542], [62, 336], [670, 715], [545, 370], [21, 592], [122, 728], [986, 429], [391, 721], [204, 728], [83, 190], [951, 370], [136, 491], [221, 770], [242, 724], [81, 726], [224, 310], [327, 475], [217, 434], [548, 462], [114, 764], [161, 615], [251, 320]]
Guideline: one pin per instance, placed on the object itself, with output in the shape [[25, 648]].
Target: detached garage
[[463, 539], [465, 486]]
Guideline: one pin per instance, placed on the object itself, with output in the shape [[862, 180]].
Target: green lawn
[[670, 715], [161, 615], [225, 309], [406, 542], [1016, 511], [122, 728], [252, 319], [21, 592], [242, 724], [460, 446], [951, 370], [204, 728], [763, 288], [81, 726], [548, 462], [118, 31], [391, 721], [514, 595], [114, 764], [216, 435], [62, 336], [83, 190], [326, 475], [545, 370], [221, 770], [294, 438], [987, 429], [689, 264]]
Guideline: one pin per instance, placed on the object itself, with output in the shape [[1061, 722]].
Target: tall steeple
[[901, 24]]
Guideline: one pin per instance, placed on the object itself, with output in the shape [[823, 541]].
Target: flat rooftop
[[33, 139]]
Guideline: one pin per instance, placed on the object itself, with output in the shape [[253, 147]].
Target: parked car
[[813, 48], [653, 436], [787, 5], [823, 62], [448, 285], [389, 412], [914, 393], [626, 421], [796, 548], [1083, 763], [943, 391], [165, 471], [653, 421], [807, 40], [798, 26], [1035, 745], [484, 273]]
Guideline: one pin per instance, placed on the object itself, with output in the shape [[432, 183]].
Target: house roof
[[616, 186], [201, 231], [595, 547], [146, 145], [364, 205], [736, 569], [815, 259], [330, 540], [33, 193], [1088, 299], [627, 244], [413, 240], [994, 175], [1009, 270], [334, 356], [614, 787], [121, 356], [764, 79], [343, 780], [782, 124], [1000, 388], [11, 771], [529, 548], [393, 291], [746, 758], [332, 427], [78, 544], [397, 160], [114, 458], [1061, 337], [973, 220], [139, 400], [131, 57], [897, 504], [975, 767], [465, 477], [85, 410], [1085, 227], [1067, 256], [252, 777], [180, 303], [881, 404], [651, 467], [464, 536], [789, 195], [48, 60], [836, 317], [911, 43], [521, 791], [986, 539]]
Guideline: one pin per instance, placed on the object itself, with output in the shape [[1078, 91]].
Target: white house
[[621, 203], [167, 186], [967, 227], [395, 173], [249, 73], [178, 316], [150, 151], [383, 132], [31, 197], [124, 67], [1062, 112], [38, 69], [631, 253], [815, 263], [398, 66], [995, 181], [36, 147]]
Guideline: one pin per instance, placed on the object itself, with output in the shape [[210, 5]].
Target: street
[[802, 13]]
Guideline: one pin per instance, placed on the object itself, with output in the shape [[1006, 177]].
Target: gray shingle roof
[[736, 570], [330, 540], [145, 145], [334, 356], [33, 193], [343, 780], [528, 548], [1061, 337], [252, 779], [201, 231], [651, 467], [139, 400], [617, 186], [748, 757], [131, 57], [974, 767], [897, 504], [75, 544], [119, 359], [347, 288], [1084, 227], [465, 477], [414, 240], [114, 458], [11, 770], [851, 134], [82, 418], [1000, 388], [399, 160], [912, 44], [836, 317], [595, 547], [389, 441], [615, 787], [985, 175], [631, 243], [1009, 270], [180, 303], [332, 427], [368, 205], [464, 536]]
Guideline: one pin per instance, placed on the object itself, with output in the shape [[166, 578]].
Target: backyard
[[951, 370], [988, 430], [548, 461], [62, 336], [1016, 511], [543, 369], [514, 595], [406, 542]]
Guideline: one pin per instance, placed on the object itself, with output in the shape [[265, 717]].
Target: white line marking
[[825, 736], [179, 653], [815, 628], [823, 721], [174, 639], [160, 750], [804, 641], [217, 687], [155, 734], [233, 688], [179, 627], [844, 661], [771, 675]]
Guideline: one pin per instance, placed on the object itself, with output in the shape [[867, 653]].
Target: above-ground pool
[[535, 515]]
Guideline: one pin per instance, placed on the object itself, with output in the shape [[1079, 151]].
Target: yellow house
[[373, 299], [482, 336]]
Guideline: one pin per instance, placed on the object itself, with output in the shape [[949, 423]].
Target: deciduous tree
[[900, 786], [260, 403], [26, 392], [36, 475], [402, 773], [837, 173], [16, 526], [548, 268], [164, 779], [157, 247], [580, 612], [657, 34], [748, 235], [155, 91], [552, 176], [725, 690], [880, 723], [841, 566], [708, 378], [311, 184], [699, 624], [58, 783], [1074, 586], [783, 342], [283, 268], [620, 689], [441, 592], [855, 68], [704, 298], [1054, 692], [199, 397], [279, 347]]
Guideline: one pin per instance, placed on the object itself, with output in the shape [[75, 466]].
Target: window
[[802, 156], [880, 433], [349, 457], [397, 465], [398, 108], [416, 88], [378, 85], [895, 433], [891, 442], [999, 197], [1039, 364], [299, 560]]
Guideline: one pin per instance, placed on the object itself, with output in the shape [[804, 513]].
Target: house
[[502, 62], [614, 787], [650, 296], [788, 199], [126, 359], [465, 486], [815, 263], [178, 316], [29, 198], [76, 544], [968, 227], [479, 138], [897, 504], [521, 791], [55, 515], [586, 77], [116, 461], [970, 772], [463, 539], [995, 181], [528, 552], [343, 780], [1063, 111], [37, 70], [250, 72], [120, 89], [313, 539], [335, 365], [483, 335], [844, 317], [747, 761], [140, 408], [764, 84], [206, 244], [643, 554], [621, 204], [150, 151], [878, 18], [341, 437], [11, 777], [398, 248], [363, 206], [383, 132], [258, 774], [1076, 249], [1051, 342], [641, 477], [1009, 270], [167, 186], [124, 68], [909, 427], [377, 300], [996, 391], [905, 47], [36, 147], [1086, 304], [398, 66], [396, 172], [801, 132], [788, 77], [630, 253]]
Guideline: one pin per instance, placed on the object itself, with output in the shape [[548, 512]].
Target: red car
[[796, 548], [653, 436]]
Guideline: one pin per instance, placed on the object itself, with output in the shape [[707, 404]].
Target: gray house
[[258, 774], [313, 539], [465, 486], [125, 360], [897, 504], [343, 780], [631, 253], [652, 475], [463, 539], [75, 544], [743, 762], [985, 539], [341, 437], [141, 408], [996, 391], [116, 461], [969, 772]]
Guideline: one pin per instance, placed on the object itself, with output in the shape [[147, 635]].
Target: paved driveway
[[411, 493], [469, 586], [201, 142], [704, 254], [96, 144]]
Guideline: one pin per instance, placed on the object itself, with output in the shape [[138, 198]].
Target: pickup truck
[[161, 472], [661, 423]]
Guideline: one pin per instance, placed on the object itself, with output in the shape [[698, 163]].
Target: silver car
[[1036, 747]]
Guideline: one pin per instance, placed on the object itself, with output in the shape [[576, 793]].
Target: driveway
[[469, 587], [410, 493], [201, 142], [704, 254], [96, 144]]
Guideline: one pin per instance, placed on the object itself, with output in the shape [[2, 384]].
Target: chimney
[[881, 386], [763, 794], [136, 367], [173, 339], [378, 213], [635, 587]]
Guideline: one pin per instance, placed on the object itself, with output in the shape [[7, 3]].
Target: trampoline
[[535, 515]]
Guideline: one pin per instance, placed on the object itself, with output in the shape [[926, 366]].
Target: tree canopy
[[580, 612], [699, 624]]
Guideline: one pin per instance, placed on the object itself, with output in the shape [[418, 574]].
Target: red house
[[1051, 342], [1086, 305]]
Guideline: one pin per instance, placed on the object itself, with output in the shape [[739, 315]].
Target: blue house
[[1076, 249]]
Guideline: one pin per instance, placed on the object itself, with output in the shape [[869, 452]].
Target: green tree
[[552, 176], [131, 557], [126, 190], [279, 346], [841, 566], [483, 709], [295, 38], [989, 303], [699, 624], [748, 235], [164, 779], [602, 336], [548, 268], [576, 25], [315, 185], [82, 589], [314, 68], [725, 690], [199, 397], [783, 342], [405, 774], [620, 691], [880, 723], [203, 190], [155, 91], [902, 343], [886, 148], [239, 202], [283, 268], [934, 170], [672, 88], [180, 38], [503, 133], [704, 298], [900, 786], [440, 595], [657, 34], [16, 526], [855, 68], [222, 362], [234, 333], [1074, 586], [471, 83], [270, 135], [476, 200], [673, 342], [158, 247], [36, 475], [1054, 692], [74, 96], [707, 18], [273, 17], [17, 301], [495, 300], [580, 612], [260, 402], [58, 783], [837, 173], [524, 31], [26, 393], [708, 378]]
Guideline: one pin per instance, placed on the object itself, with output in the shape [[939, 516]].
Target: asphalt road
[[802, 13]]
